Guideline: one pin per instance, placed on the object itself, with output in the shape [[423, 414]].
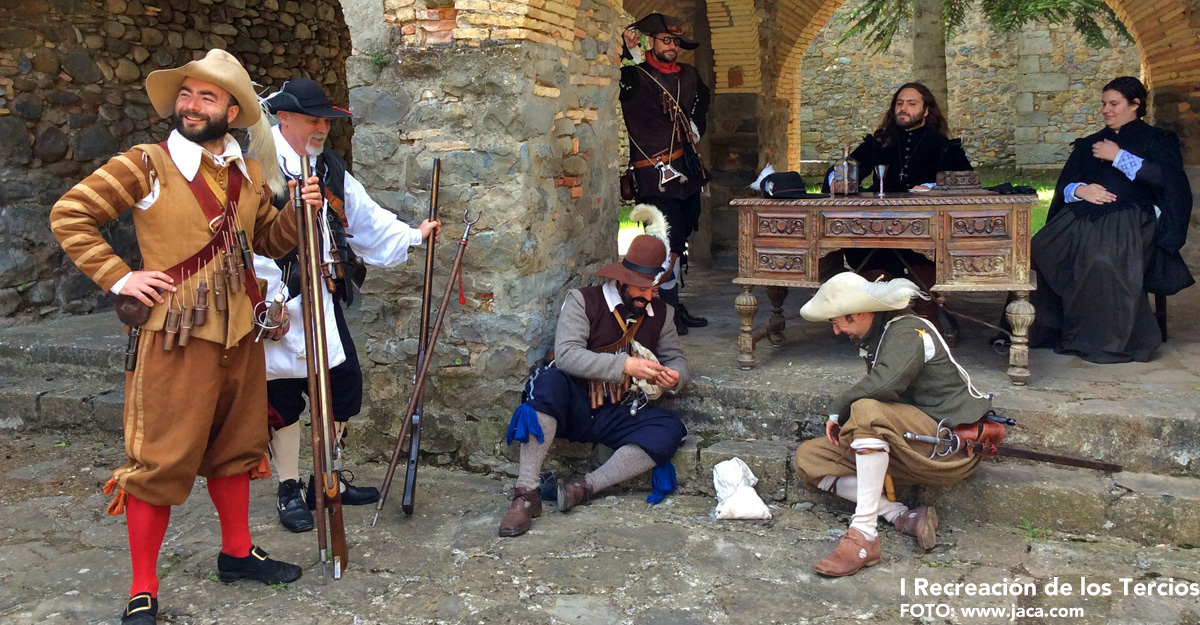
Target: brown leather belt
[[650, 162]]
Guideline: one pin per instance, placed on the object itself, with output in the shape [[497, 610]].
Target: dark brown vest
[[604, 329]]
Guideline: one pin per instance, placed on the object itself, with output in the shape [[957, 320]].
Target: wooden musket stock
[[414, 445], [423, 368], [320, 399]]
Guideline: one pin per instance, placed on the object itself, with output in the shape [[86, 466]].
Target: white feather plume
[[656, 222], [655, 226], [262, 148], [767, 171]]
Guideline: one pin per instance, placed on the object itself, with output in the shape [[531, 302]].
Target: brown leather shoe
[[853, 553], [526, 506], [573, 492], [921, 523]]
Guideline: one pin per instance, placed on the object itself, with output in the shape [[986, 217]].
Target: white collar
[[613, 298], [289, 160], [187, 154]]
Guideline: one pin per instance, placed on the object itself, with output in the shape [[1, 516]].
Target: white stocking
[[285, 451], [871, 468], [847, 488]]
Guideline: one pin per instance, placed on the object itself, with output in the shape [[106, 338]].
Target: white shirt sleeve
[[1128, 164], [376, 234], [1069, 192]]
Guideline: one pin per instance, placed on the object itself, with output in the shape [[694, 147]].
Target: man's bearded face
[[200, 128], [910, 109], [307, 130], [664, 52], [636, 299]]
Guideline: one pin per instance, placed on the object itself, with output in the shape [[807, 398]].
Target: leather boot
[[293, 513], [526, 506], [351, 495], [142, 609], [920, 523], [681, 313], [256, 566], [853, 553], [671, 298], [573, 492]]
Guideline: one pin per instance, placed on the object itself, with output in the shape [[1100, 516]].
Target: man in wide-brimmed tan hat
[[196, 389], [615, 349], [912, 383]]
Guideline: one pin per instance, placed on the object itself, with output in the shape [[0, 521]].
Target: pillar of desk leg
[[746, 306], [1020, 314]]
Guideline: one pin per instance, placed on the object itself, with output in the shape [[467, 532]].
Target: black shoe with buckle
[[686, 318], [142, 609], [351, 495], [293, 513], [256, 566]]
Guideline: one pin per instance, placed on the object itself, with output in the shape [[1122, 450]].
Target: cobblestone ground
[[618, 560]]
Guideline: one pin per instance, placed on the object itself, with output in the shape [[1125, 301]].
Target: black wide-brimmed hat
[[658, 23], [304, 96], [786, 185]]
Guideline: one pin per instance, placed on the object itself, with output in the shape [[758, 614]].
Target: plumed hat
[[848, 293]]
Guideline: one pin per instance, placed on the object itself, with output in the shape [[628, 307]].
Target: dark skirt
[[1090, 300]]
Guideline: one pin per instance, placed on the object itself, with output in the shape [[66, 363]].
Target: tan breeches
[[195, 410], [909, 462]]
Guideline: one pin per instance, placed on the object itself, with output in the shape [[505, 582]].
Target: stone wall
[[519, 101], [72, 76], [1017, 100]]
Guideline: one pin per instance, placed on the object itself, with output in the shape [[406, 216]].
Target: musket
[[984, 437], [331, 536], [414, 444], [423, 367]]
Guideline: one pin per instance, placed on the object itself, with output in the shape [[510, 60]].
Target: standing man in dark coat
[[912, 141], [665, 105], [1119, 217]]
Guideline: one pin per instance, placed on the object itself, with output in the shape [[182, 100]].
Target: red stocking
[[147, 524], [231, 496]]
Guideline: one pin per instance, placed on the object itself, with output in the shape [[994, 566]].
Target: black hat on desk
[[786, 185]]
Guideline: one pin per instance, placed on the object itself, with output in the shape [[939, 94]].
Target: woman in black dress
[[1118, 219]]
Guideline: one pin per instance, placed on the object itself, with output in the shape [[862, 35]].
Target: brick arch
[[1166, 32]]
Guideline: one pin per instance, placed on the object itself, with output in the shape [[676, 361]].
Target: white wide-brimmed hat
[[848, 293]]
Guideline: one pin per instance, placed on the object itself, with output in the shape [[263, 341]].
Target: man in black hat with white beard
[[664, 104], [359, 229]]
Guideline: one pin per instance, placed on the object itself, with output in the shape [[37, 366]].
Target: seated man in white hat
[[615, 349], [912, 383]]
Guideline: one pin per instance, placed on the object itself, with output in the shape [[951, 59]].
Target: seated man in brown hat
[[615, 349], [912, 384], [196, 398]]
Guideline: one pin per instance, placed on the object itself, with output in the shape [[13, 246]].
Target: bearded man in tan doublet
[[195, 402]]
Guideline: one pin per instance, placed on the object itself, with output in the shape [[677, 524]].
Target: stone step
[[1037, 497], [1150, 436]]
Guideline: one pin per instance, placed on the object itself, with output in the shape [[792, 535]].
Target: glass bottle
[[845, 174]]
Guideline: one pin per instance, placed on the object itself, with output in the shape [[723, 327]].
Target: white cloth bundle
[[736, 497]]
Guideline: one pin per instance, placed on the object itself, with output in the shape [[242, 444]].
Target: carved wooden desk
[[978, 243]]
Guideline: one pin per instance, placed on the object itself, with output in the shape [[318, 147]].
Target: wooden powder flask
[[185, 326], [170, 328], [247, 259], [200, 312], [219, 291]]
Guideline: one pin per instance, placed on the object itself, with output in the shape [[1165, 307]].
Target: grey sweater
[[572, 355]]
